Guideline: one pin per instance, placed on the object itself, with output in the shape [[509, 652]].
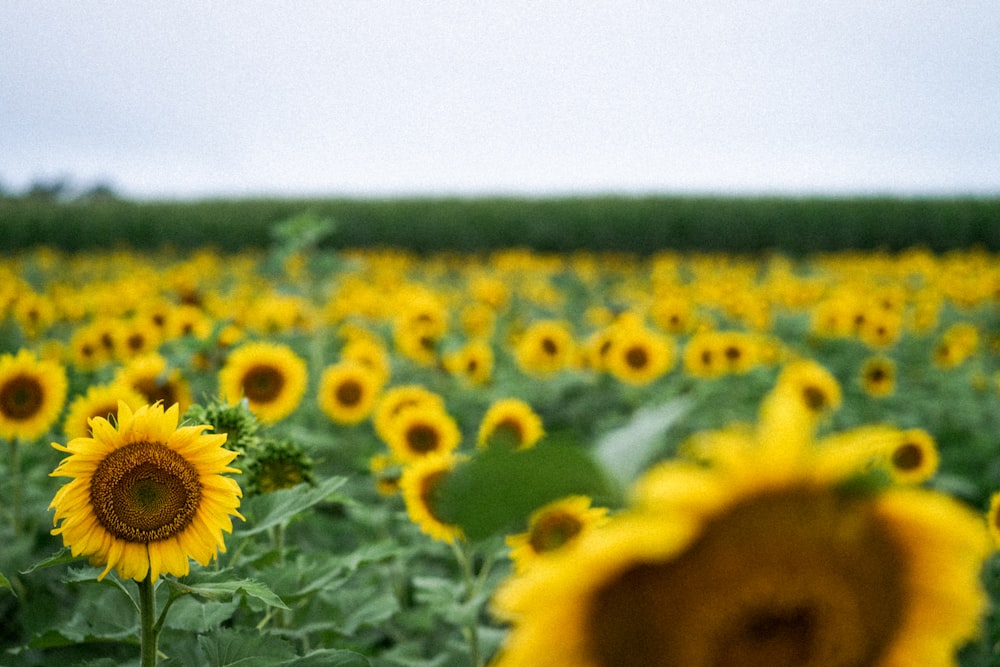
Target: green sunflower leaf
[[330, 658], [61, 557], [272, 509], [229, 648], [497, 490], [226, 590]]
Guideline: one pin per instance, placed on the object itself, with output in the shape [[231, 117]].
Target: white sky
[[367, 98]]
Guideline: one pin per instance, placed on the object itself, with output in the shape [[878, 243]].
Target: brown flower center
[[263, 384], [144, 492], [553, 530], [814, 397], [790, 578], [21, 397], [155, 391], [349, 393], [907, 456], [637, 358], [422, 438]]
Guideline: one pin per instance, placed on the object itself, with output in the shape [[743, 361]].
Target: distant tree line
[[61, 189]]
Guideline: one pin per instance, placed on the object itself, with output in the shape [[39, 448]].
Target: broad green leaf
[[629, 449], [496, 490], [231, 648], [271, 509], [195, 615], [330, 658], [226, 590]]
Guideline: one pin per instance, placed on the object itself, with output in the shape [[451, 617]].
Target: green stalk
[[147, 621], [471, 585], [17, 490]]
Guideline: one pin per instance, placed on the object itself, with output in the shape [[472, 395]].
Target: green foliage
[[499, 488], [641, 224]]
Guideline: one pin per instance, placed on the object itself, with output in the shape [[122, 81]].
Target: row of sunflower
[[343, 444]]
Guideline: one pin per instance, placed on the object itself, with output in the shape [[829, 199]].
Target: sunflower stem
[[147, 621], [470, 582], [17, 489]]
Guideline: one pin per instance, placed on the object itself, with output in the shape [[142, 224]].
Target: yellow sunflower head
[[545, 347], [100, 400], [145, 495], [805, 393], [878, 376], [703, 357], [510, 423], [395, 399], [32, 394], [552, 528], [473, 362], [758, 554], [348, 391], [269, 375], [912, 456], [419, 431], [418, 484], [153, 377], [639, 355]]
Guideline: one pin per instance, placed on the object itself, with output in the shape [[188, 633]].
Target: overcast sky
[[368, 98]]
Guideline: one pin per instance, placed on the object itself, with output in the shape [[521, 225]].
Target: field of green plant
[[496, 455], [638, 224]]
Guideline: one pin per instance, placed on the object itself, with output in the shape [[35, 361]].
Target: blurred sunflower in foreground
[[772, 548], [144, 495]]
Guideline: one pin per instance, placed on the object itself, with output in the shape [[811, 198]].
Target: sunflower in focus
[[145, 496], [100, 400], [864, 573], [552, 528], [418, 485], [509, 423], [348, 392], [269, 375], [32, 394]]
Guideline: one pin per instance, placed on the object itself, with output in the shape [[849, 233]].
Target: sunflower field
[[306, 456]]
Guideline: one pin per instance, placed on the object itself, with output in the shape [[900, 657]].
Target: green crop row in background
[[636, 224]]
